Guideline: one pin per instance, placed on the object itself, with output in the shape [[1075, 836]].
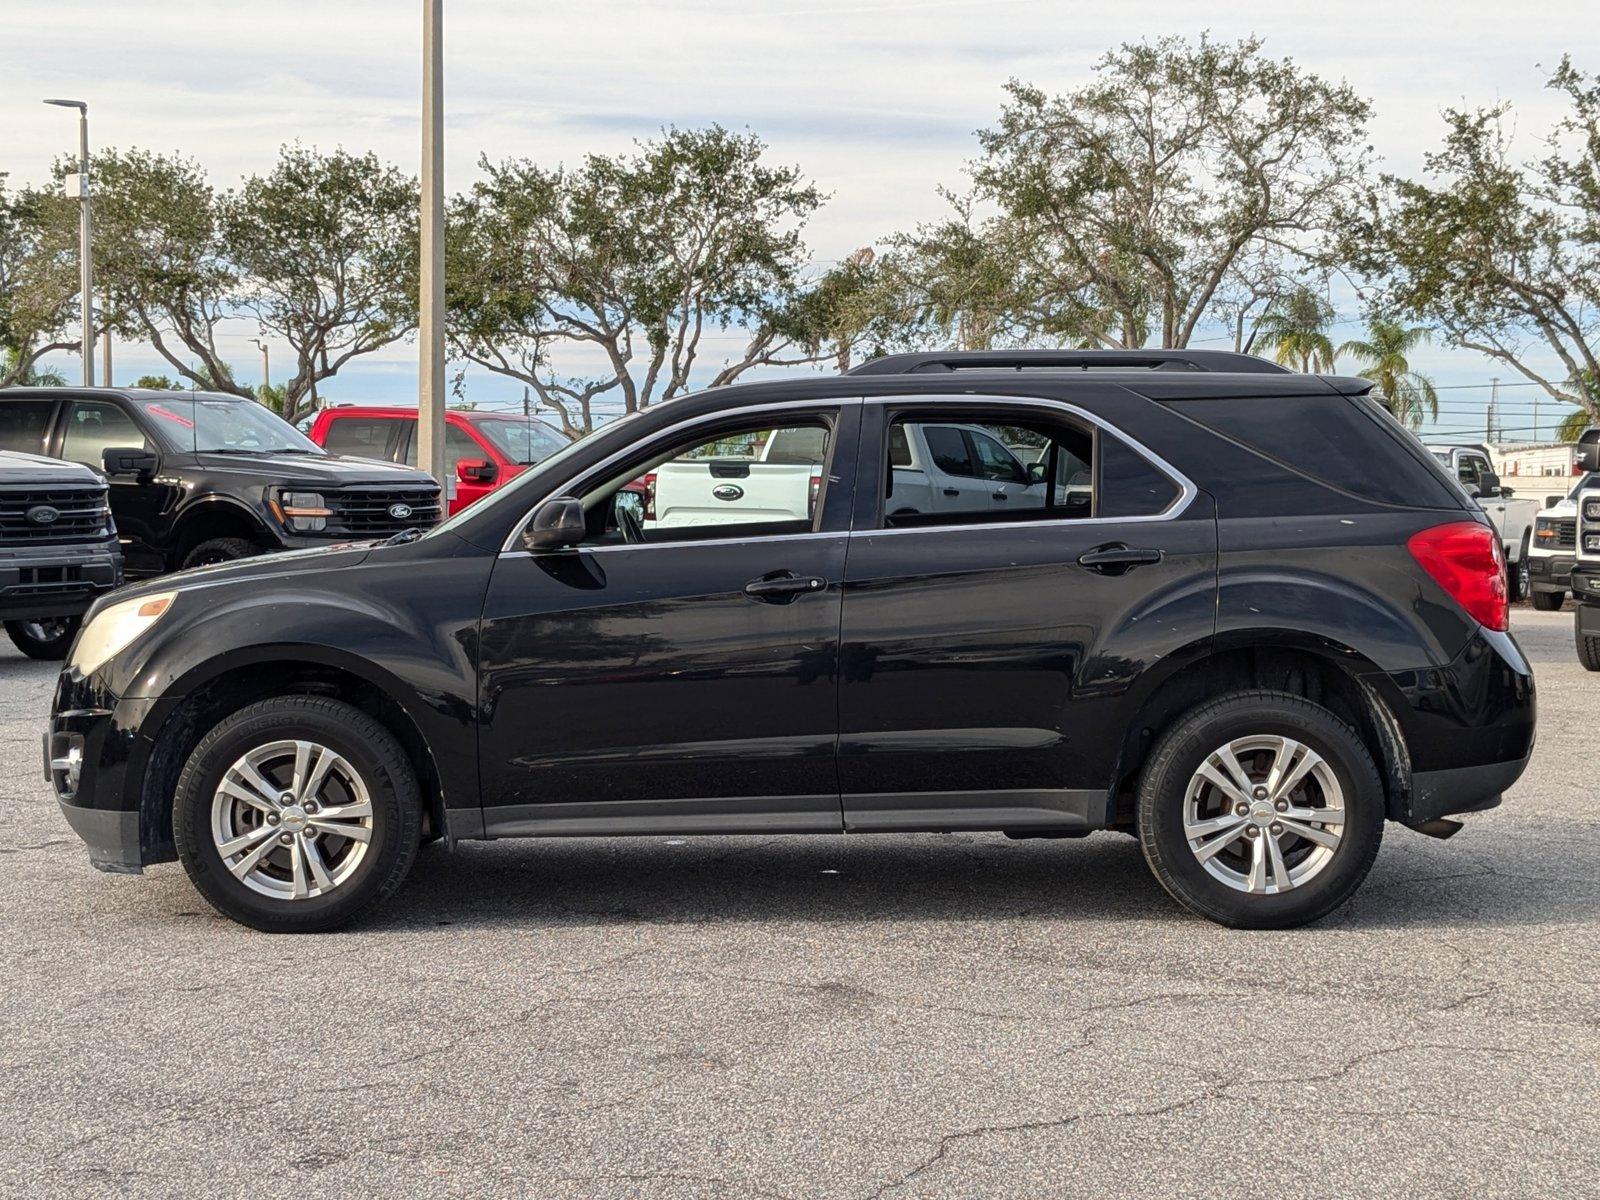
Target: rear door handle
[[1116, 558], [781, 587], [952, 491]]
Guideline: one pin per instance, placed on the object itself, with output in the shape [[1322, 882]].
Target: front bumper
[[56, 581], [96, 759], [1585, 581], [1550, 572]]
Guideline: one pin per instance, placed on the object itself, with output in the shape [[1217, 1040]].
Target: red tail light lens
[[650, 496], [811, 499], [1465, 559]]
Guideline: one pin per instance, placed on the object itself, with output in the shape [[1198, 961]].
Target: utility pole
[[430, 339], [85, 230], [266, 373], [1494, 404], [105, 356]]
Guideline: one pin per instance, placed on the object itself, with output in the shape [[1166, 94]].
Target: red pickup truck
[[483, 449]]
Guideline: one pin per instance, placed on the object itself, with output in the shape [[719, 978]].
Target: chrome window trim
[[704, 419], [1187, 491]]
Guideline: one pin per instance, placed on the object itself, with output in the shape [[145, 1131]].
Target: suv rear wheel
[[1260, 810], [297, 814]]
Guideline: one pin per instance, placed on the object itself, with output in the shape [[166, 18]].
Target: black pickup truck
[[202, 477], [58, 550]]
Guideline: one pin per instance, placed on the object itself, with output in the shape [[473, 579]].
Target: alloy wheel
[[291, 819], [1264, 814]]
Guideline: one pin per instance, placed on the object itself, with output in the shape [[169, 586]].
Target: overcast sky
[[877, 101]]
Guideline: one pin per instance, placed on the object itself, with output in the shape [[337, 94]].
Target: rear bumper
[[1460, 789]]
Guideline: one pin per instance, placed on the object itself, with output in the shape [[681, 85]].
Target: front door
[[659, 679], [986, 651], [140, 506]]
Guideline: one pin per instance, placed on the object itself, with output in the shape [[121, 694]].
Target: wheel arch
[[213, 690], [1325, 672], [212, 517]]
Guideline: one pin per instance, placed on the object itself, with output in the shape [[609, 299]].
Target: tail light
[[1465, 559], [650, 496], [811, 499]]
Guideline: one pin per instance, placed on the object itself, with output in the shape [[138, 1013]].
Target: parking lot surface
[[817, 1016]]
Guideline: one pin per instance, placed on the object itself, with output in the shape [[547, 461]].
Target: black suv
[[202, 477], [58, 550], [1238, 613]]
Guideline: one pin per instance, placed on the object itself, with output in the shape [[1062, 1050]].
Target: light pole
[[85, 228], [430, 332]]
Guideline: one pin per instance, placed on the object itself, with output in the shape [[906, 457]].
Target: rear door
[[985, 651]]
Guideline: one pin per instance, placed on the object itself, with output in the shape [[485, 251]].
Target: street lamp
[[266, 375], [430, 331], [85, 256]]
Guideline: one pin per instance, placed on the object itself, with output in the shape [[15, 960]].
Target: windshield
[[211, 424], [522, 441]]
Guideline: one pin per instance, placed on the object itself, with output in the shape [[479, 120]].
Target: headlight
[[112, 629], [302, 512], [1591, 542], [1591, 510], [1544, 530]]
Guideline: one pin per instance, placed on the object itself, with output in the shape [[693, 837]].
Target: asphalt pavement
[[828, 1017]]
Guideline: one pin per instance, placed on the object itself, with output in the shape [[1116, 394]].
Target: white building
[[1536, 469]]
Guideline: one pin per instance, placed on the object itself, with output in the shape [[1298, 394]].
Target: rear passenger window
[[1331, 439], [947, 450], [364, 437], [22, 425]]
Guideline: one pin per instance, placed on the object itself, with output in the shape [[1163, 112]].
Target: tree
[[1296, 330], [326, 250], [1383, 355], [1144, 191], [159, 383], [633, 263], [1503, 256], [38, 280], [160, 258]]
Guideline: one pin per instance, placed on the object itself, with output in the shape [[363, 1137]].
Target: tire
[[219, 550], [48, 639], [1171, 792], [1548, 601], [266, 895], [1519, 580], [1588, 651]]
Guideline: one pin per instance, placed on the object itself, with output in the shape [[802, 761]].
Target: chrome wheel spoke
[[1221, 842], [313, 857], [1322, 837], [302, 767], [1322, 816], [245, 840], [1258, 864], [1223, 783], [344, 812], [1310, 760], [319, 771], [1200, 829], [299, 886], [248, 863], [344, 829], [248, 794], [1281, 878]]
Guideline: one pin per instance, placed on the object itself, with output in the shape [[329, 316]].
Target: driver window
[[93, 427], [756, 481]]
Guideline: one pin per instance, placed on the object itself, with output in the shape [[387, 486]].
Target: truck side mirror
[[1488, 485], [557, 523], [1551, 501], [1036, 472], [475, 470], [1589, 450], [130, 460]]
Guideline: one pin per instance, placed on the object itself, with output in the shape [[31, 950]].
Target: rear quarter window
[[1341, 442]]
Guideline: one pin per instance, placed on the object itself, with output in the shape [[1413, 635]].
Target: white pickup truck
[[966, 468], [1512, 518], [777, 479]]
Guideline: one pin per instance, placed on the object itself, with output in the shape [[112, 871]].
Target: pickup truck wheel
[[48, 638], [1548, 601], [1519, 577], [297, 814], [219, 550], [1589, 652], [1260, 810]]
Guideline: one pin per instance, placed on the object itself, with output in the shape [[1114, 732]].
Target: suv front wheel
[[1260, 810], [297, 814]]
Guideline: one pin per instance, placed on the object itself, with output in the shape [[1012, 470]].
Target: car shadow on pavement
[[963, 877]]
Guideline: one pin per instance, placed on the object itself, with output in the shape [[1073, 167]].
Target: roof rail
[[1066, 360]]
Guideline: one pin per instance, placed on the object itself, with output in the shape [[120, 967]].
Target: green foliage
[[1383, 356], [1143, 193], [635, 257], [1296, 331], [159, 383], [326, 250], [1503, 256], [38, 280]]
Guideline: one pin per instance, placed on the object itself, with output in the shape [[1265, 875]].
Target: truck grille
[[1566, 533], [42, 516], [363, 511]]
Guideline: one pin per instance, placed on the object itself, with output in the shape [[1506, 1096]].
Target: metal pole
[[105, 356], [431, 394], [266, 374]]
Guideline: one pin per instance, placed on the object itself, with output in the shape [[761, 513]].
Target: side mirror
[[130, 460], [1036, 472], [1552, 501], [1488, 485], [1506, 492], [475, 470], [1589, 450], [557, 524]]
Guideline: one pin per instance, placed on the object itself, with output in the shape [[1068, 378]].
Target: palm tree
[[1383, 360], [1296, 329], [34, 376], [1573, 425]]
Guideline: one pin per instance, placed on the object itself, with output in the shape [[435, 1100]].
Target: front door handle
[[952, 491], [781, 587], [1115, 558]]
